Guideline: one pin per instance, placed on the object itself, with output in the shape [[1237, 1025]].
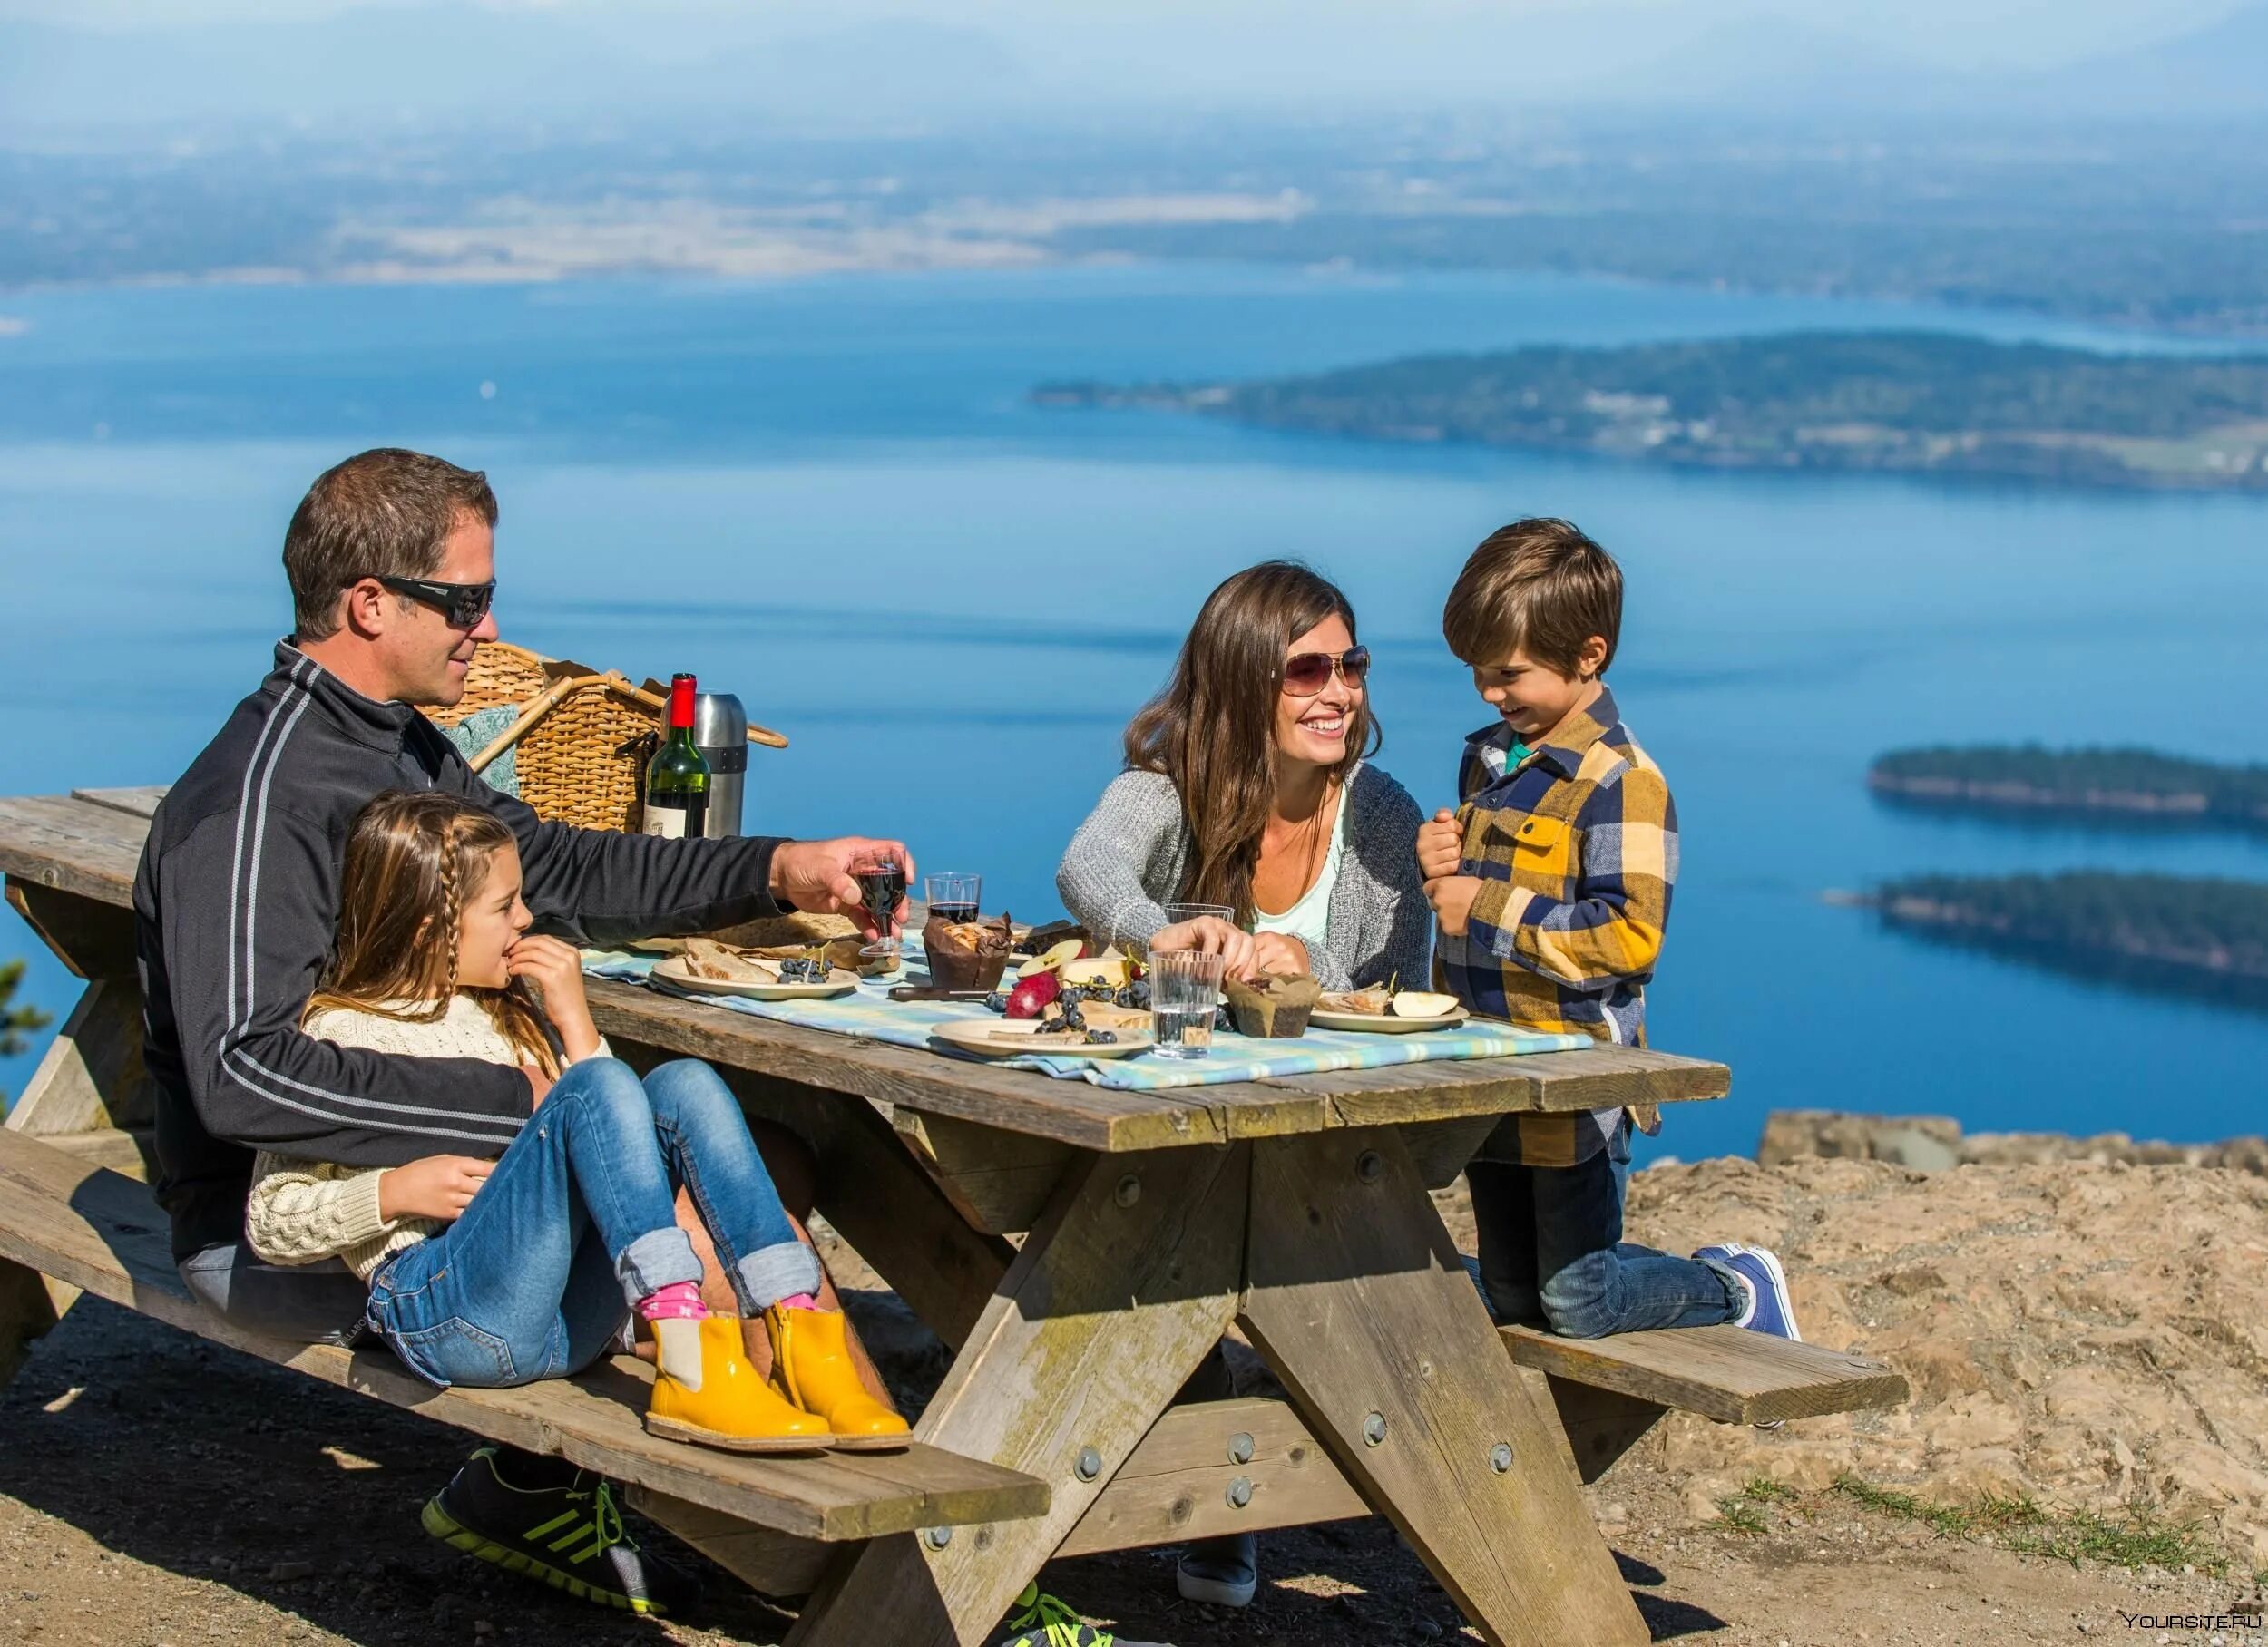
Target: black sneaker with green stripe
[[566, 1532], [1042, 1621]]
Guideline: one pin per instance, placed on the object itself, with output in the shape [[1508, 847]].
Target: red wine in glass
[[883, 883]]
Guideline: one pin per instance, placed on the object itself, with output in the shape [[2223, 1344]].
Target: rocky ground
[[2088, 1339]]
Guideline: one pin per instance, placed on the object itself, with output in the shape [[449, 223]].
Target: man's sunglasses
[[1307, 673], [462, 604]]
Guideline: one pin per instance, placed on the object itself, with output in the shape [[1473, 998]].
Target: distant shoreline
[[1907, 402]]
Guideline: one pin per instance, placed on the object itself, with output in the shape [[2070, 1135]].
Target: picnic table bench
[[1296, 1207]]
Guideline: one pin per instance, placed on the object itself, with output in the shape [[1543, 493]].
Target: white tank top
[[1308, 918]]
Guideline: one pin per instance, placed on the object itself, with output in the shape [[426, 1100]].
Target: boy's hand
[[1452, 897], [1440, 847]]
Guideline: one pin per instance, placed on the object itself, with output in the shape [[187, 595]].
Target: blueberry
[[997, 1001], [1101, 1037]]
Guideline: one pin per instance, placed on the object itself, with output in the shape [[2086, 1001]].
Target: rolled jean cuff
[[771, 1273], [658, 1259], [1736, 1286]]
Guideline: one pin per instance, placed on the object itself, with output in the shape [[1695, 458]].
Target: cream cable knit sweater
[[304, 1212]]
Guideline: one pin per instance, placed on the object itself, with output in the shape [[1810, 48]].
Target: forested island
[[2136, 783], [2191, 935], [1893, 402]]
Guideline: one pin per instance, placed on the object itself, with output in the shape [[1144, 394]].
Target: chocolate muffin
[[967, 954], [1275, 1008]]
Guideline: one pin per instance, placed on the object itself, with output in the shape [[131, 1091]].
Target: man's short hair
[[1537, 586], [384, 513]]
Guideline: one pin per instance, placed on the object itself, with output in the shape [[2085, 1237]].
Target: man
[[391, 562]]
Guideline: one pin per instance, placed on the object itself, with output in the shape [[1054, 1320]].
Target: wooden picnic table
[[1296, 1208]]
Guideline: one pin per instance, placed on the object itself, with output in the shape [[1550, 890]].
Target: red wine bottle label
[[677, 817]]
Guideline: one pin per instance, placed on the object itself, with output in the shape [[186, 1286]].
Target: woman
[[1246, 787]]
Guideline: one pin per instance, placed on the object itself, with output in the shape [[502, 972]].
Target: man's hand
[[1452, 897], [1440, 847], [816, 876], [439, 1186], [554, 967]]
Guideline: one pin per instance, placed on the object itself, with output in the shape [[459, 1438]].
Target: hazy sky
[[1956, 32]]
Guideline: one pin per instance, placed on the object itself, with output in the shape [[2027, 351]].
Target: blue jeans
[[578, 1222], [1552, 1252]]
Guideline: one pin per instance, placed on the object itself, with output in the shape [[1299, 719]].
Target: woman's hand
[[439, 1186], [554, 967], [539, 1086], [1440, 847], [1208, 935], [1279, 955], [1453, 898]]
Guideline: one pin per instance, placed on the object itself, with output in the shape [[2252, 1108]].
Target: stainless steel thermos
[[721, 730]]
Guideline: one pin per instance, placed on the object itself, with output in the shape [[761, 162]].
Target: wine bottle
[[677, 778]]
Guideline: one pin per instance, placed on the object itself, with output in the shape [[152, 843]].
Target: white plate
[[1013, 1037], [1385, 1023], [841, 981]]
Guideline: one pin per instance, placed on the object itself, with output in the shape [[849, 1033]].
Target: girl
[[493, 1273]]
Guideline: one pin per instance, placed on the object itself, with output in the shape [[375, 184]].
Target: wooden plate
[[841, 981], [1385, 1023], [1013, 1037]]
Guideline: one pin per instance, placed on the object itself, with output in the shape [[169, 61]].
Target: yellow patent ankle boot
[[705, 1391], [812, 1366]]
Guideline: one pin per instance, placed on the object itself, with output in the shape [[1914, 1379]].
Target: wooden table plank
[[138, 802], [71, 845], [89, 847], [97, 1231]]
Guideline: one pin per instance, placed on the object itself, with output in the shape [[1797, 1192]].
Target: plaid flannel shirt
[[1578, 843]]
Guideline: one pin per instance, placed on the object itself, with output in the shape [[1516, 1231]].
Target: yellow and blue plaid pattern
[[1578, 843]]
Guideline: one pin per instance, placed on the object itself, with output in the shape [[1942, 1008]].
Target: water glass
[[1176, 913], [953, 897], [1184, 994]]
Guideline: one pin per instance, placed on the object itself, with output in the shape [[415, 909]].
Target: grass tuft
[[2139, 1538]]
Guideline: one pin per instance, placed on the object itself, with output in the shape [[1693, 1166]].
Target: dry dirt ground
[[157, 1489]]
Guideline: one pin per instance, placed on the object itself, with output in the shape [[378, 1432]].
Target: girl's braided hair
[[413, 862]]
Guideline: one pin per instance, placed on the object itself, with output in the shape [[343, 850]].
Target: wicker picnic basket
[[581, 737]]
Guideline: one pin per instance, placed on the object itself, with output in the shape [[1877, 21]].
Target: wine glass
[[882, 877]]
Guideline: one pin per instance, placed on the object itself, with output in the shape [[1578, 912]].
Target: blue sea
[[835, 498]]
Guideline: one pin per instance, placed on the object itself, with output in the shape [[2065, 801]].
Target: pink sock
[[680, 1300], [801, 1300]]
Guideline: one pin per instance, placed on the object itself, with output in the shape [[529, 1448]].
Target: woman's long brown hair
[[1212, 730], [414, 862]]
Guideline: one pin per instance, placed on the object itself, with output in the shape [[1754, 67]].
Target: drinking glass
[[882, 877], [953, 897], [1176, 913], [1184, 994]]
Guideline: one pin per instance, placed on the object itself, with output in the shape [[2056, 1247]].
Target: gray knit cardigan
[[1127, 861]]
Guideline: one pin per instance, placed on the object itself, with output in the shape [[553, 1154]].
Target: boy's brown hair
[[1538, 586]]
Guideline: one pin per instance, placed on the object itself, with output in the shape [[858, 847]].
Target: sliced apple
[[1416, 1003], [1054, 959]]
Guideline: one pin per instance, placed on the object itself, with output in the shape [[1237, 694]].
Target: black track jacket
[[236, 906]]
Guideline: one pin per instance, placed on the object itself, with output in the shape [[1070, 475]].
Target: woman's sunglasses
[[463, 605], [1307, 673]]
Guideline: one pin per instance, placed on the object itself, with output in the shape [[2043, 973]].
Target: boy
[[1551, 884]]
